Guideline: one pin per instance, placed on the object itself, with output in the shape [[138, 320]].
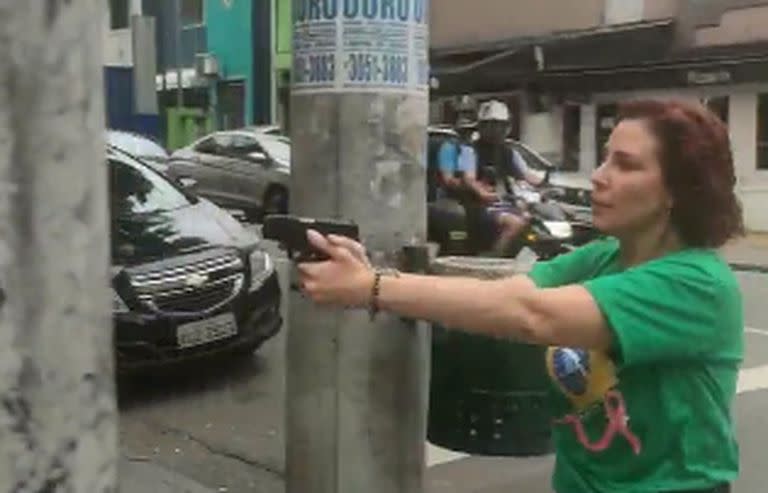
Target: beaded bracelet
[[376, 289]]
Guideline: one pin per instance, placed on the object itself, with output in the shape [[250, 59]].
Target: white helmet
[[493, 110]]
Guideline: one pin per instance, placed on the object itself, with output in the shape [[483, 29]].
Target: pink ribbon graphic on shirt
[[618, 421]]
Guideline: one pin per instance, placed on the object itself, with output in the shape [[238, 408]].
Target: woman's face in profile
[[629, 195]]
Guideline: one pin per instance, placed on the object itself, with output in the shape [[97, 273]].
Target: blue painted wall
[[120, 115]]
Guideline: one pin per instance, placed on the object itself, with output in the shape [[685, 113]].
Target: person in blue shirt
[[457, 163], [459, 180]]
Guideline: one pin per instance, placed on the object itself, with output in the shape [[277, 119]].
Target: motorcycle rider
[[458, 176], [498, 160], [457, 163], [492, 149]]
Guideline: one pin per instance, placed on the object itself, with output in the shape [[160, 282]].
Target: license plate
[[205, 331]]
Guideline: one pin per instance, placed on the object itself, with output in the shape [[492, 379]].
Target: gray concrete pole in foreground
[[58, 417], [357, 392]]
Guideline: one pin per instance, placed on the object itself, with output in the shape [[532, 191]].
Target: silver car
[[237, 169]]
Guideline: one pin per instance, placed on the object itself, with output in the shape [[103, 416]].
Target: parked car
[[188, 280], [140, 146], [572, 192], [575, 189], [238, 169], [578, 184]]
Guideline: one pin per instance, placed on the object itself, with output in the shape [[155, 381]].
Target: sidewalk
[[749, 253], [146, 477]]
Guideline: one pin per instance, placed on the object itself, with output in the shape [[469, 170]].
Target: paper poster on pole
[[360, 46]]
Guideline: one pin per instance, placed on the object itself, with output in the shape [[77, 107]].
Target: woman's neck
[[647, 245]]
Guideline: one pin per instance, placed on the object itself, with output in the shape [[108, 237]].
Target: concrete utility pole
[[58, 417], [357, 391]]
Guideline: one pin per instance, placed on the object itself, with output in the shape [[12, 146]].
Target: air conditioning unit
[[206, 65]]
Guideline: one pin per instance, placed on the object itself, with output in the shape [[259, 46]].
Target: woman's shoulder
[[583, 263], [694, 269], [599, 252], [705, 264]]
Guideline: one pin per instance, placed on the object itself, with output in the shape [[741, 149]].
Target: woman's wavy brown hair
[[695, 156]]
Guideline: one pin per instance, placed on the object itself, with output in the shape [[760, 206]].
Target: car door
[[187, 163], [250, 165], [206, 163]]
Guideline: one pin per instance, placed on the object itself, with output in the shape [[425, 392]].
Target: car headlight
[[261, 268], [559, 229], [118, 305]]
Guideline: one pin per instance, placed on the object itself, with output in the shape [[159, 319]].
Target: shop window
[[762, 132], [191, 12], [231, 104], [571, 137], [119, 17]]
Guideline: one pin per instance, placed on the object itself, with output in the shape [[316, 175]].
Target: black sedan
[[188, 280]]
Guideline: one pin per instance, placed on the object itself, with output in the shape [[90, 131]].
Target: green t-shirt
[[671, 375]]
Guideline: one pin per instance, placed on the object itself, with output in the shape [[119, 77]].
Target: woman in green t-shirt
[[645, 329]]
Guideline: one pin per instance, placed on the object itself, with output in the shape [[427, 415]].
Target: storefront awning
[[517, 62]]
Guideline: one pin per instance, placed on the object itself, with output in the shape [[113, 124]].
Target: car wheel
[[276, 201]]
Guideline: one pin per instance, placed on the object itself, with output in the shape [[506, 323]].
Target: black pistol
[[291, 233]]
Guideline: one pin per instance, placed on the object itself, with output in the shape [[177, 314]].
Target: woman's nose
[[599, 176]]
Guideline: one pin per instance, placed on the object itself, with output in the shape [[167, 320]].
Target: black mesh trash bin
[[487, 396]]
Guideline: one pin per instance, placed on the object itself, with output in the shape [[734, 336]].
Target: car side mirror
[[188, 184]]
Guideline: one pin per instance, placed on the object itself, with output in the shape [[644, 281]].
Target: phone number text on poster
[[358, 68], [376, 68]]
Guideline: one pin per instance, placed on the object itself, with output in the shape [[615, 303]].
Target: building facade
[[564, 66], [283, 42], [239, 39], [129, 68], [229, 33]]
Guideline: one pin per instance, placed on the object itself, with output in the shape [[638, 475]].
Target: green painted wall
[[230, 39], [185, 125], [283, 34]]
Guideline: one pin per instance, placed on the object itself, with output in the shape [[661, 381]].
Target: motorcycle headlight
[[118, 305], [261, 268], [559, 229]]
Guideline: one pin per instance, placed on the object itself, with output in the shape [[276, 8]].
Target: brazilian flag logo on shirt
[[585, 377]]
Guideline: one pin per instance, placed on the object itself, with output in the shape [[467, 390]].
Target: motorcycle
[[549, 232], [579, 216], [464, 230]]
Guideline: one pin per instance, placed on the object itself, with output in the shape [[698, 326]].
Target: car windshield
[[277, 148], [135, 189], [532, 159]]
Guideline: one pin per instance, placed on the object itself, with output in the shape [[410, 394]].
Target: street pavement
[[219, 427], [749, 253]]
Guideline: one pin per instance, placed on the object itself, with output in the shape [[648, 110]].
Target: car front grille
[[194, 287]]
